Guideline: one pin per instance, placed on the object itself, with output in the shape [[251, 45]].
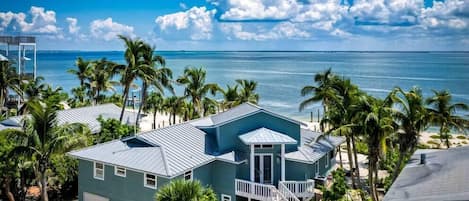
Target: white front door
[[93, 197], [263, 168]]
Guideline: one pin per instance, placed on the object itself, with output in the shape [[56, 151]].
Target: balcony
[[287, 190]]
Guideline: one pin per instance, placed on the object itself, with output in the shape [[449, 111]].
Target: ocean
[[281, 75]]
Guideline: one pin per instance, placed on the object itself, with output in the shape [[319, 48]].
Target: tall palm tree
[[160, 78], [9, 79], [83, 70], [173, 105], [185, 190], [322, 92], [154, 104], [247, 91], [443, 114], [133, 69], [100, 80], [196, 88], [412, 117], [43, 138], [188, 111]]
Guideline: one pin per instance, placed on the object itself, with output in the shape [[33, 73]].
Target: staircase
[[287, 190]]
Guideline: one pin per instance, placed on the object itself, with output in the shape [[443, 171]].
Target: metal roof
[[85, 115], [314, 146], [444, 176], [234, 113], [266, 136]]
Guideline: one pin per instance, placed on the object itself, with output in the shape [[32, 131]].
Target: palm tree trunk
[[142, 102], [7, 189], [124, 96], [44, 196], [154, 118], [340, 158], [398, 166], [174, 118], [372, 181], [357, 167], [350, 158], [98, 93]]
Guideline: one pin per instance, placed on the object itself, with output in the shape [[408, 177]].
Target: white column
[[251, 162], [283, 162]]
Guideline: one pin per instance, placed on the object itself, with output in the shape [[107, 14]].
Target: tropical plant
[[160, 78], [338, 188], [443, 114], [412, 117], [153, 104], [83, 70], [185, 190], [100, 80], [323, 92], [9, 80], [247, 91], [195, 87], [112, 129], [42, 138], [173, 105], [187, 111], [230, 97]]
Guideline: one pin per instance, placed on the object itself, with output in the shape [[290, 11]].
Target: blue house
[[244, 153]]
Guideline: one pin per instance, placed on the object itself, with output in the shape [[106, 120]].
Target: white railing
[[287, 193], [257, 191], [303, 189]]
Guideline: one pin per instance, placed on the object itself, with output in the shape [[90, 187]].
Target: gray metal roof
[[85, 115], [314, 146], [445, 176], [266, 136], [170, 151], [234, 113]]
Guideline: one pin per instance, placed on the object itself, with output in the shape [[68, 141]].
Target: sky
[[330, 25]]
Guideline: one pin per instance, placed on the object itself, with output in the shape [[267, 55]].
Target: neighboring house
[[244, 153], [86, 115], [433, 175]]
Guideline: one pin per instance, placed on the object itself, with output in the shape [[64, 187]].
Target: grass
[[464, 142], [439, 137], [461, 137]]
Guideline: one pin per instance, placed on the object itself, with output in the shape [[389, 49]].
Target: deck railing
[[290, 196], [303, 189], [258, 191]]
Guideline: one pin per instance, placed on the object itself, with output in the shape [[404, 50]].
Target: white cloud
[[183, 6], [72, 25], [108, 30], [197, 20], [283, 30], [446, 15], [260, 9], [42, 22], [322, 15]]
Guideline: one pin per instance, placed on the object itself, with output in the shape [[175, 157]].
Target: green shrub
[[435, 136], [461, 137], [338, 188], [433, 142], [362, 148], [423, 146], [464, 142]]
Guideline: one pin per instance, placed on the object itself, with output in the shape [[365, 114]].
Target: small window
[[263, 146], [188, 175], [98, 171], [225, 197], [150, 181], [119, 171]]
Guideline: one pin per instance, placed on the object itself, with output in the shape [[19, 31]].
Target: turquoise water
[[281, 75]]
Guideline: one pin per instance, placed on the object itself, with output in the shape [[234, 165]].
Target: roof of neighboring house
[[234, 113], [85, 115], [168, 151], [266, 136], [444, 176], [314, 146]]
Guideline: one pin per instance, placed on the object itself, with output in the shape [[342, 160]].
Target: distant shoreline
[[293, 51]]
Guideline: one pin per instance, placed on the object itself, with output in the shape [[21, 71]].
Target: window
[[98, 171], [119, 171], [263, 146], [225, 197], [188, 175], [150, 181]]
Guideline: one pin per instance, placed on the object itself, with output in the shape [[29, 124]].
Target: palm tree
[[322, 92], [376, 122], [230, 97], [133, 69], [160, 78], [188, 111], [101, 79], [247, 92], [185, 190], [43, 138], [173, 105], [83, 70], [442, 113], [196, 88], [154, 104], [9, 79], [412, 116]]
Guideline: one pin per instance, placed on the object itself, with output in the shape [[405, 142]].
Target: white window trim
[[223, 196], [328, 160], [145, 181], [94, 171], [191, 172], [120, 175], [261, 146]]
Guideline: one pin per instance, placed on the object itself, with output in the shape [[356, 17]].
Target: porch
[[286, 191]]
